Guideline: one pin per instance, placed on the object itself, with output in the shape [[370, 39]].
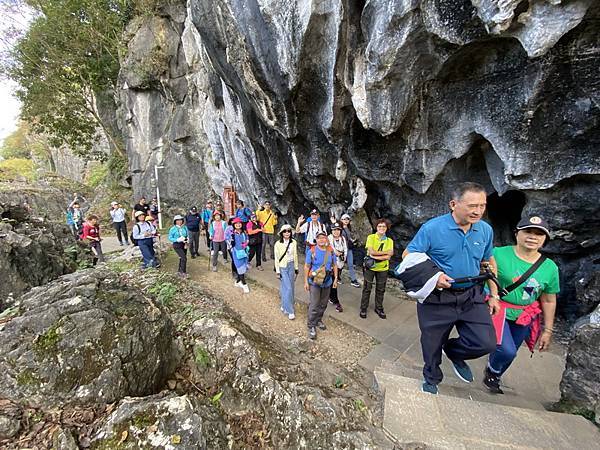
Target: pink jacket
[[531, 315]]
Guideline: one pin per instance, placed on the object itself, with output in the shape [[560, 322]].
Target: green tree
[[23, 143], [69, 56]]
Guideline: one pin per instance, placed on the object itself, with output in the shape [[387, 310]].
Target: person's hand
[[301, 218], [444, 282], [147, 234], [335, 283], [545, 338], [181, 239], [493, 305], [306, 286], [332, 219]]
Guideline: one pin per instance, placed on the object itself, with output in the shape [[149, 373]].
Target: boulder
[[580, 384], [245, 377], [166, 422], [86, 337]]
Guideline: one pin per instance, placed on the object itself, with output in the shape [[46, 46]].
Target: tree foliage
[[25, 144], [69, 55]]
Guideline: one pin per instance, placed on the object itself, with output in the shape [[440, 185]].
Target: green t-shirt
[[511, 267], [374, 242]]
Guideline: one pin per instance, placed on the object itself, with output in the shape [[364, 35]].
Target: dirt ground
[[340, 344]]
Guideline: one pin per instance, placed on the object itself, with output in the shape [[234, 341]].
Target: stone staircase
[[466, 416]]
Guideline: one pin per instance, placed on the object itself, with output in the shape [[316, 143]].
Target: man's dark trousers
[[194, 240], [442, 311]]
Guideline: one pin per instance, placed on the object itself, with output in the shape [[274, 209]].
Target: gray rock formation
[[155, 422], [580, 384], [85, 338], [251, 382], [33, 249], [378, 105]]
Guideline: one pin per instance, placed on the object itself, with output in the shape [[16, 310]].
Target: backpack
[[131, 238], [320, 275]]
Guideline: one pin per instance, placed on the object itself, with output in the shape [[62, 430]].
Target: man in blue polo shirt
[[459, 243]]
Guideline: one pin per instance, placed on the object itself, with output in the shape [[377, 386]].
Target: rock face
[[250, 386], [33, 250], [378, 105], [154, 422], [85, 338], [580, 385]]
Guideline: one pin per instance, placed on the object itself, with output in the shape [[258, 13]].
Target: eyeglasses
[[286, 231]]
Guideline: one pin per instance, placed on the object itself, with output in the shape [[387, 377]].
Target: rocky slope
[[376, 105], [102, 360]]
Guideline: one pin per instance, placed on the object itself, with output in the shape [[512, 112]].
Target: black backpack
[[131, 238]]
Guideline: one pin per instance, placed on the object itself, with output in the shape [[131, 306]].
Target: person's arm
[[335, 271], [548, 302], [307, 257], [277, 255], [300, 224]]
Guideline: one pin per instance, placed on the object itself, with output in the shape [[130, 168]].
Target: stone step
[[450, 422], [454, 387]]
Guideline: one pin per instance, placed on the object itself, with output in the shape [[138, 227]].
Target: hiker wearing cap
[[153, 211], [141, 205], [340, 248], [77, 219], [310, 228], [216, 231], [117, 214], [320, 274], [255, 240], [286, 267], [239, 253], [206, 215], [352, 243], [267, 217], [193, 221], [143, 232], [380, 249], [532, 281], [459, 244], [91, 234], [179, 235]]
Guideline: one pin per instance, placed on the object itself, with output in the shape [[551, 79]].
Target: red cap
[[237, 220]]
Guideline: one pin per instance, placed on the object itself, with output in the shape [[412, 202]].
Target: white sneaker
[[291, 316], [220, 253], [212, 252], [237, 284], [246, 288]]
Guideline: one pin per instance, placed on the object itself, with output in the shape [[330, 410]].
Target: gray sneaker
[[321, 325], [312, 333]]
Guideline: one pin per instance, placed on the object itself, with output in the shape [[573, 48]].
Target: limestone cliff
[[379, 105]]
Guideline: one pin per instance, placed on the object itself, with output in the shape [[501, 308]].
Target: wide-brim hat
[[534, 222], [285, 227], [113, 203], [177, 217], [138, 214]]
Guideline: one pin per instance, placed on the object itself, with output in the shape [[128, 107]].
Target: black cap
[[193, 208], [314, 211], [336, 226], [534, 222]]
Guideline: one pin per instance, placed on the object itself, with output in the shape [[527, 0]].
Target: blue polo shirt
[[457, 253], [317, 261]]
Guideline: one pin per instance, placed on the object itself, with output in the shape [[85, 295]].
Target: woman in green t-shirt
[[542, 285]]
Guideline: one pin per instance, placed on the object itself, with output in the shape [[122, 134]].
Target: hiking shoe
[[312, 333], [246, 288], [259, 268], [339, 308], [291, 316], [363, 314], [237, 284], [193, 256], [121, 244], [321, 325], [492, 381], [355, 283], [461, 369], [214, 268], [380, 313], [429, 388]]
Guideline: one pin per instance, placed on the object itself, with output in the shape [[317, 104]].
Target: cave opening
[[503, 213]]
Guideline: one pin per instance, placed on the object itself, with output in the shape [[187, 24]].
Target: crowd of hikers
[[496, 298]]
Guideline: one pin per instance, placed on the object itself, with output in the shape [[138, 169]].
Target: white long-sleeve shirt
[[118, 215], [143, 227]]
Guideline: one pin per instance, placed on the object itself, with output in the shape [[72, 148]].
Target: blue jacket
[[207, 215], [192, 221], [176, 232], [70, 220], [243, 213]]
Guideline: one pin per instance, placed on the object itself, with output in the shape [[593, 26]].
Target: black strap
[[527, 274], [285, 252], [267, 221]]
